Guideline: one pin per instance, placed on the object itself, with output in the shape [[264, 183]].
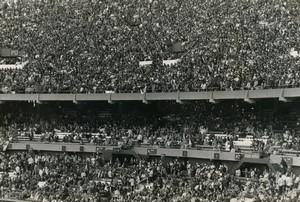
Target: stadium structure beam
[[247, 99], [110, 100], [145, 101], [178, 100], [75, 99], [211, 99], [38, 101], [282, 98]]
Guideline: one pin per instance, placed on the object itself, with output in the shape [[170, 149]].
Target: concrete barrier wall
[[217, 95], [150, 150], [189, 153], [290, 160], [55, 97], [69, 147]]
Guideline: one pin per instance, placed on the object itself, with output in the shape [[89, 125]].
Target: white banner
[[14, 66], [143, 63], [171, 62]]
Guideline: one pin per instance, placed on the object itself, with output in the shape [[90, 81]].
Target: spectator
[[95, 47]]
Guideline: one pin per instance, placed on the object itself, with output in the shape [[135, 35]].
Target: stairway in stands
[[277, 167]]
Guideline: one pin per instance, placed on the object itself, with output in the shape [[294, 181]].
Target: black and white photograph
[[149, 100]]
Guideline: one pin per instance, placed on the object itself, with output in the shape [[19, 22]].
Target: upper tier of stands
[[95, 46]]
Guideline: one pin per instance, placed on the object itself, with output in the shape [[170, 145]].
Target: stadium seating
[[54, 151], [91, 47]]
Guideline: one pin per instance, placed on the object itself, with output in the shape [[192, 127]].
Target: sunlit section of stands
[[286, 152], [242, 144]]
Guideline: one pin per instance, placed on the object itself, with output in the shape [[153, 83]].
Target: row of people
[[72, 177], [215, 126], [132, 129]]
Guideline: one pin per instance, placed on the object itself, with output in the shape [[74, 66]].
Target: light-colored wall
[[241, 94]]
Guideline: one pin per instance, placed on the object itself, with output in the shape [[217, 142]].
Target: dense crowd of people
[[216, 127], [73, 177], [95, 46], [62, 177], [91, 46]]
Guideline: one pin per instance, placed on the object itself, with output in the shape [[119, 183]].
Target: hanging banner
[[14, 66], [171, 62], [144, 63]]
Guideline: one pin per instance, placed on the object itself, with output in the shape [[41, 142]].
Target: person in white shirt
[[30, 163], [109, 174], [266, 176], [131, 181], [252, 174], [281, 184], [140, 138], [238, 173], [18, 170], [289, 182], [150, 174]]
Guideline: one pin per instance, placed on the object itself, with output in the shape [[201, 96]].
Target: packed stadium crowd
[[72, 177], [49, 177], [92, 46], [214, 126], [95, 46]]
